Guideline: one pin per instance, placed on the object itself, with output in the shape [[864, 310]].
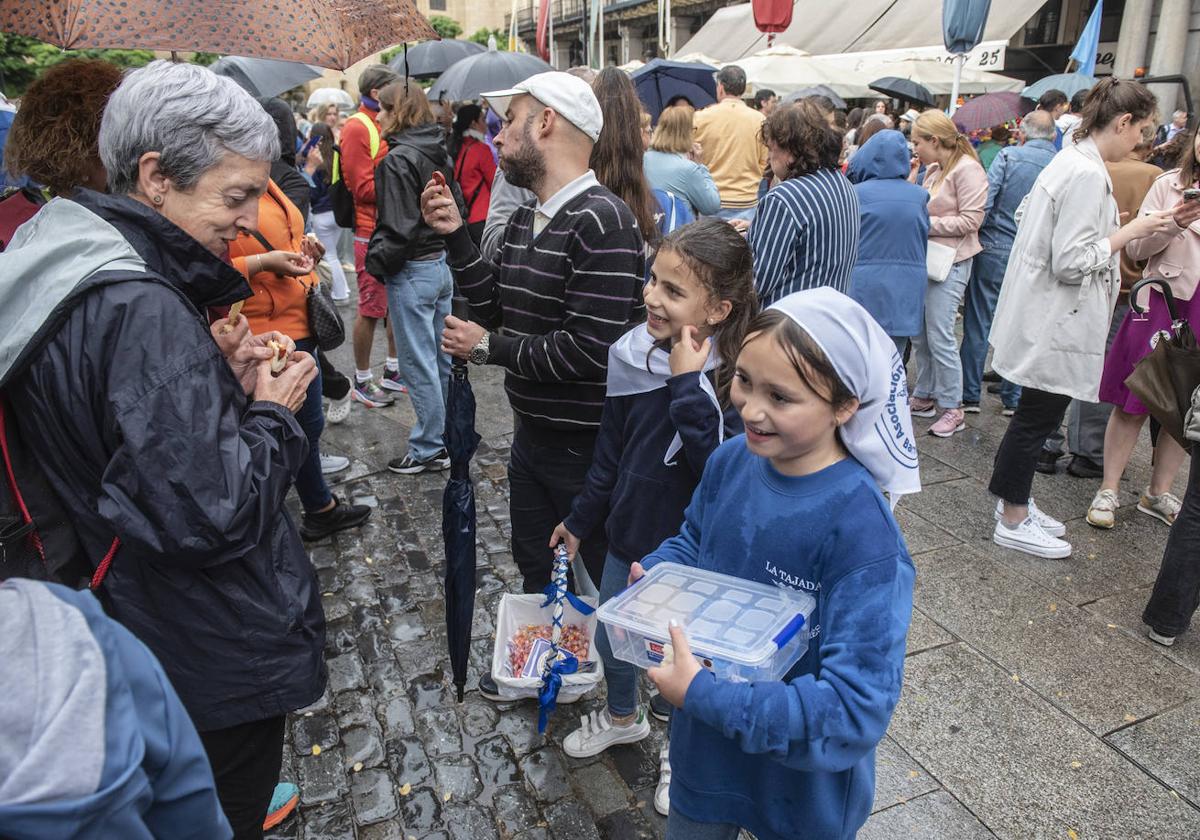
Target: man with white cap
[[566, 284]]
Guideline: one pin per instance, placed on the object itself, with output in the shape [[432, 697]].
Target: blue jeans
[[620, 676], [983, 291], [418, 303], [728, 213], [935, 349], [310, 484], [680, 827]]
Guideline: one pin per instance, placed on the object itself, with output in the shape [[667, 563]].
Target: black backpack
[[37, 539]]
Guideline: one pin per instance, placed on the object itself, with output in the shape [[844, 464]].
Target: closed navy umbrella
[[264, 76], [963, 22], [430, 59], [491, 70], [458, 517], [660, 81]]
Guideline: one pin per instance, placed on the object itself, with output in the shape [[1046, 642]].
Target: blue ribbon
[[552, 681], [572, 599]]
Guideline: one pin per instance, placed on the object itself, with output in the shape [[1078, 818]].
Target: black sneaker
[[970, 407], [489, 689], [994, 388], [1047, 462], [318, 526], [991, 376], [408, 465], [1083, 467], [660, 708]]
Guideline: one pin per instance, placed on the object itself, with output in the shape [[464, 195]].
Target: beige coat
[[1062, 280]]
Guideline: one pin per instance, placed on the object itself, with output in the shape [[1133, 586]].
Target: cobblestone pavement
[[1033, 705]]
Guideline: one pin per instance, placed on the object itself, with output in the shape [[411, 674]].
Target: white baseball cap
[[910, 115], [570, 96]]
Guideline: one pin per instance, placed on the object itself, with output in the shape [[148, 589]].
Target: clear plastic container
[[739, 629]]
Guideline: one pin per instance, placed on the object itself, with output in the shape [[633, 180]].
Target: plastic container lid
[[724, 616]]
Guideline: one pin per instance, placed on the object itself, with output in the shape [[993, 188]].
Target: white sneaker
[[338, 410], [597, 732], [1049, 524], [1030, 538], [1102, 512], [1165, 641], [331, 464], [662, 793]]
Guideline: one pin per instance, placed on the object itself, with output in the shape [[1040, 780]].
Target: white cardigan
[[1062, 279]]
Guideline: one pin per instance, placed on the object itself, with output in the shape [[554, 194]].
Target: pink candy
[[574, 639]]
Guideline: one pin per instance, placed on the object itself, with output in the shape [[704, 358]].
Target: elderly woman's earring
[[158, 199]]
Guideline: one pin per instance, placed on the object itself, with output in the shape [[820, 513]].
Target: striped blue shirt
[[805, 235]]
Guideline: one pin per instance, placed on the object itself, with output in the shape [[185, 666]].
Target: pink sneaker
[[922, 407], [950, 422]]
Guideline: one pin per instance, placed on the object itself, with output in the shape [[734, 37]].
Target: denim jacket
[[1010, 179]]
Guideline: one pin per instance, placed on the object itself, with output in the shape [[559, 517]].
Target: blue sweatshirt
[[794, 758], [628, 482]]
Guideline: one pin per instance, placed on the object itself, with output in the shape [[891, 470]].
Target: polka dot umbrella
[[328, 33]]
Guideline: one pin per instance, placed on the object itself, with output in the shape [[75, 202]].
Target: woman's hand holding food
[[290, 387], [283, 263]]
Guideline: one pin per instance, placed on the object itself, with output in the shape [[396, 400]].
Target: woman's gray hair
[[189, 115]]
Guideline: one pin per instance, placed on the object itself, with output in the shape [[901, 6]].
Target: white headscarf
[[636, 366], [880, 434]]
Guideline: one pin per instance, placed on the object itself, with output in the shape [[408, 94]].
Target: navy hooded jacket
[[144, 433], [889, 277]]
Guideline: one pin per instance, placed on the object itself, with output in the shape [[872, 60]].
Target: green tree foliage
[[481, 37], [23, 59], [445, 27]]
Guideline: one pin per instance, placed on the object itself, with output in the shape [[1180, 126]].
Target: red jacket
[[358, 168], [474, 170]]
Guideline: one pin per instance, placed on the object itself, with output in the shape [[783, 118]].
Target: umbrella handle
[[1163, 286]]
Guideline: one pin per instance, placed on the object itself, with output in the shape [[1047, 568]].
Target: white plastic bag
[[517, 611]]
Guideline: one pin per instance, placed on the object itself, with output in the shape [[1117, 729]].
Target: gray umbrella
[[491, 70], [816, 90], [265, 76], [430, 59]]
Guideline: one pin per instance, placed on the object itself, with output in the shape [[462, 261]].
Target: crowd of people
[[704, 317]]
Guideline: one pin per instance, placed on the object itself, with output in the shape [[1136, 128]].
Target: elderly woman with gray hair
[[172, 443]]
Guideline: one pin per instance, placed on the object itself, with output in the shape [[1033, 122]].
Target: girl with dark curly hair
[[806, 231]]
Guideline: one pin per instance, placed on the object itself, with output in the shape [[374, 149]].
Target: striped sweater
[[555, 303], [805, 235]]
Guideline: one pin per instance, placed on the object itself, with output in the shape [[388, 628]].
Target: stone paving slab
[[1167, 746], [936, 814], [1025, 769]]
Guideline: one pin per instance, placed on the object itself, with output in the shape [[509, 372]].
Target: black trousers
[[335, 385], [246, 760], [1038, 414], [542, 482], [1177, 590]]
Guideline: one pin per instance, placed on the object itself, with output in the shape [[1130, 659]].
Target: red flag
[[543, 24], [772, 16]]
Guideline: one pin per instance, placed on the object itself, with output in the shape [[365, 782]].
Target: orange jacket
[[358, 168], [279, 303]]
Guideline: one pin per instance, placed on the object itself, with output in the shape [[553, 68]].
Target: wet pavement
[[1033, 706]]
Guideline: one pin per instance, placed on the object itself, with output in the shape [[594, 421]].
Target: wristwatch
[[479, 353]]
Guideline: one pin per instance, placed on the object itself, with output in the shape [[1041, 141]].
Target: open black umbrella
[[491, 70], [458, 516], [430, 59], [906, 89], [265, 76]]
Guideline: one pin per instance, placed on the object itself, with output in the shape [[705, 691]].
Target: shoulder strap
[[372, 131]]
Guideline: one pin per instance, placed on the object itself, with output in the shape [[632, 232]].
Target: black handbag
[[324, 320]]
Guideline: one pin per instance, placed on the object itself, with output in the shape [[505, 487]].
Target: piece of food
[[439, 178], [235, 312], [279, 357]]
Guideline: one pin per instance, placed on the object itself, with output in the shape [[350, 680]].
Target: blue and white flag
[[1088, 44]]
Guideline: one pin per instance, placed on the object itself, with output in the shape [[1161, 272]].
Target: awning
[[823, 28]]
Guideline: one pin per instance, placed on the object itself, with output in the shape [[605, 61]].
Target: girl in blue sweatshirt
[[666, 411], [796, 502]]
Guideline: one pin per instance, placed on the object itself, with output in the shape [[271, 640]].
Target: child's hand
[[688, 355], [561, 534], [674, 678], [635, 573]]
